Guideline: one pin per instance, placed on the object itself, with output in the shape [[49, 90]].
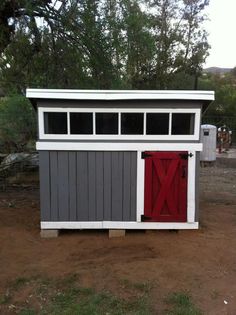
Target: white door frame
[[190, 183]]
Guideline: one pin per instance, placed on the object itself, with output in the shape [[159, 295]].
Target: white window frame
[[119, 136]]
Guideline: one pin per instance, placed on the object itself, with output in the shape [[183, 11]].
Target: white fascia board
[[47, 225], [120, 94], [112, 146]]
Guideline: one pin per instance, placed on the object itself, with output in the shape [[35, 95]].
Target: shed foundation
[[49, 233], [116, 233]]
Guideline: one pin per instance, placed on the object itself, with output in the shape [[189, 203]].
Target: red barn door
[[165, 195]]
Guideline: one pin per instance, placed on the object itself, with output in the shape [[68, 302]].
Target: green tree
[[111, 44], [180, 40], [17, 123]]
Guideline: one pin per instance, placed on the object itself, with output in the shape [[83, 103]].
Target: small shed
[[119, 159]]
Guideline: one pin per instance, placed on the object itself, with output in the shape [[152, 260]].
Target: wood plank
[[54, 185], [99, 186], [44, 174], [92, 185], [117, 171], [107, 173], [133, 186], [127, 186], [63, 186], [72, 187], [82, 186]]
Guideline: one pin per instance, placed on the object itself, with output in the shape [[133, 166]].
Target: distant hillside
[[217, 70]]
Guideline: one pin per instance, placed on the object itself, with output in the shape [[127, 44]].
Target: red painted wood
[[165, 193]]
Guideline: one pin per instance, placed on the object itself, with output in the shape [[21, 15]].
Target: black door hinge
[[185, 156], [144, 218], [145, 155]]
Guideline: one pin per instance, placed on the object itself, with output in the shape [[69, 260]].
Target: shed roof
[[206, 96]]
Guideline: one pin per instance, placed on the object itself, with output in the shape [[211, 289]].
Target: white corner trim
[[119, 94], [191, 187], [140, 186], [119, 225], [116, 146]]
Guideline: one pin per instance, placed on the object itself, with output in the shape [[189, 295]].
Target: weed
[[5, 299], [27, 311], [144, 287], [88, 302], [19, 282], [214, 294], [181, 304], [67, 281]]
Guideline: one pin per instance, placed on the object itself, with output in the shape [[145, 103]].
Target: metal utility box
[[119, 159], [208, 139]]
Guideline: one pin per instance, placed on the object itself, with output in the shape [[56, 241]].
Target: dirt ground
[[202, 262]]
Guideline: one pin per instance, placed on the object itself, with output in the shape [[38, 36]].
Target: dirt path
[[201, 262]]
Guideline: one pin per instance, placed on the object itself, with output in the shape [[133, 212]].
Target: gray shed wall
[[120, 103], [88, 186]]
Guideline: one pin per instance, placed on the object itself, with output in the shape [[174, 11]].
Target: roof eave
[[108, 95]]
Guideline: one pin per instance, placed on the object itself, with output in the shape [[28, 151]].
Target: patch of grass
[[4, 299], [66, 297], [88, 302], [67, 281], [215, 294], [19, 282], [144, 287], [181, 304], [27, 311]]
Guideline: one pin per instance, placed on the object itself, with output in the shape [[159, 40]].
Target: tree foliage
[[17, 123], [225, 93], [223, 110], [101, 44]]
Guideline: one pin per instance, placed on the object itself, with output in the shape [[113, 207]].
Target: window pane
[[106, 123], [55, 123], [157, 124], [182, 124], [81, 123], [132, 123]]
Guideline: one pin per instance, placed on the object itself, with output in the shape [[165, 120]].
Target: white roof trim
[[120, 94]]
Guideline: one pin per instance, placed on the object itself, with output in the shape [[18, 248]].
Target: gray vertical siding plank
[[72, 186], [117, 171], [44, 173], [92, 185], [99, 186], [107, 175], [133, 187], [54, 186], [126, 186], [82, 186], [63, 186]]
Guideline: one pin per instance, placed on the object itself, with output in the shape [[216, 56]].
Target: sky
[[222, 33]]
